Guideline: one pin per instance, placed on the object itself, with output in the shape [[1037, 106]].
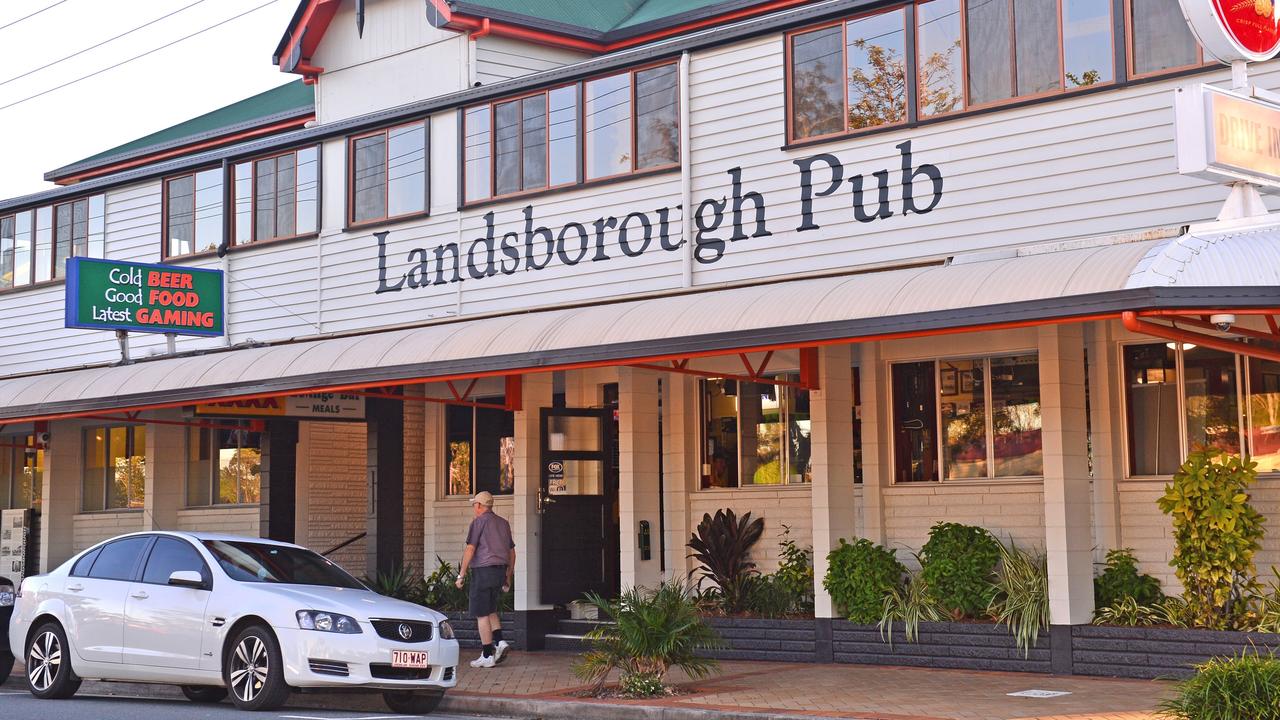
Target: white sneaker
[[483, 662], [500, 653]]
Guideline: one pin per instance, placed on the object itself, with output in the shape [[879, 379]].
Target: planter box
[[966, 646], [464, 628], [1143, 652], [762, 639]]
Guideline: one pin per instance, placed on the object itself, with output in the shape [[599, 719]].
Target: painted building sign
[[1225, 137], [1235, 29], [329, 406], [141, 297]]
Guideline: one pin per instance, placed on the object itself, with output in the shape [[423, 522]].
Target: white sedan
[[219, 613]]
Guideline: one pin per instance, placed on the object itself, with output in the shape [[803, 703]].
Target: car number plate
[[408, 659]]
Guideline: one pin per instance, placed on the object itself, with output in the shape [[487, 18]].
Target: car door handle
[[139, 595], [75, 588]]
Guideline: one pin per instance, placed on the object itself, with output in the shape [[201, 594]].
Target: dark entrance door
[[578, 504]]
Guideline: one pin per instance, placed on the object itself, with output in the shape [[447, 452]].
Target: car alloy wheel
[[45, 659], [250, 665]]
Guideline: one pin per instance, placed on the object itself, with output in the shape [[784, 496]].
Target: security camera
[[1223, 321]]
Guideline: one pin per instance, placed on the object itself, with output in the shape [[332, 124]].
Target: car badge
[[405, 631]]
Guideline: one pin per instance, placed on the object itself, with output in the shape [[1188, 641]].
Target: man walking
[[491, 557]]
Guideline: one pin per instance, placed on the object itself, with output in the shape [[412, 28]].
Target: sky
[[215, 68]]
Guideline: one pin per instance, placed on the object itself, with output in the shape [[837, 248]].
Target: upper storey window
[[193, 213], [602, 128], [387, 174], [277, 197], [35, 243]]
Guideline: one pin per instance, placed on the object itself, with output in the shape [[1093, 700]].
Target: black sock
[[487, 651], [497, 636]]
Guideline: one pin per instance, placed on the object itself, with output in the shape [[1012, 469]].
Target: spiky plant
[[912, 604], [722, 544], [1022, 594]]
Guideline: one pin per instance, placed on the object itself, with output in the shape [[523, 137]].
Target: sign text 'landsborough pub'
[[114, 295]]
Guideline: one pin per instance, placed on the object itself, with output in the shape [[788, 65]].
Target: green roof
[[290, 99], [599, 17]]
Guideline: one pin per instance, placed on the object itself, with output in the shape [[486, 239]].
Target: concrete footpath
[[542, 685]]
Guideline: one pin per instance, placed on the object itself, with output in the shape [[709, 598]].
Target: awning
[[1216, 267]]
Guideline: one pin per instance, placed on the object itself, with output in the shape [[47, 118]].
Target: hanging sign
[[1232, 30], [316, 406], [140, 297], [1227, 137]]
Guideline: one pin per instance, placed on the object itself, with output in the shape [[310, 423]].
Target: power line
[[138, 57], [28, 17], [104, 42]]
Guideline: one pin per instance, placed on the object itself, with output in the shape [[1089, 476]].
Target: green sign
[[113, 295]]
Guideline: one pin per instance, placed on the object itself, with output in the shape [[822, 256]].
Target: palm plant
[[1022, 594], [723, 545], [400, 583], [653, 631]]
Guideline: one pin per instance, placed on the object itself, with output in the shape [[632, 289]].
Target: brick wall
[[1013, 511], [231, 520], [333, 465], [414, 472], [789, 505], [92, 528]]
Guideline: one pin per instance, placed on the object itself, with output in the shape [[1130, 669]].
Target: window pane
[[370, 178], [97, 226], [29, 480], [199, 466], [1151, 399], [574, 433], [1015, 416], [1264, 414], [6, 472], [44, 244], [799, 433], [62, 238], [286, 186], [1161, 37], [761, 422], [964, 418], [608, 126], [564, 135], [1036, 42], [22, 249], [79, 231], [126, 466], [817, 98], [117, 560], [264, 226], [877, 57], [657, 117], [244, 203], [476, 152], [458, 432], [181, 205], [857, 425], [581, 477], [1086, 39], [915, 436], [506, 120], [308, 190], [6, 251], [939, 57], [1213, 408], [208, 210], [239, 466], [407, 171], [94, 469], [990, 72], [495, 447], [169, 555], [533, 141], [81, 568], [720, 433]]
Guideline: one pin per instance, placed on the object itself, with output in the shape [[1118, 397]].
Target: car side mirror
[[186, 578]]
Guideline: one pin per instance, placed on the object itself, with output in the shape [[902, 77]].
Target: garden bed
[[959, 645], [1154, 652], [748, 638]]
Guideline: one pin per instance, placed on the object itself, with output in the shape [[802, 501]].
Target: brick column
[[877, 438], [60, 493], [831, 408], [166, 472], [638, 460], [680, 466]]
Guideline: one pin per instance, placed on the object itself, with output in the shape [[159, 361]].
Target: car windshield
[[260, 562]]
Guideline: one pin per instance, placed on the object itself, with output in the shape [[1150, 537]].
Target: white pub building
[[854, 266]]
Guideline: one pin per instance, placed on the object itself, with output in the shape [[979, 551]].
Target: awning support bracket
[[808, 370], [1133, 322]]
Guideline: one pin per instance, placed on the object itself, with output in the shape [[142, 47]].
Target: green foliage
[[910, 604], [1266, 614], [1173, 612], [1127, 612], [958, 562], [722, 544], [1243, 687], [642, 685], [1121, 579], [1216, 533], [654, 630], [859, 577], [765, 596], [1021, 601], [400, 583], [795, 572]]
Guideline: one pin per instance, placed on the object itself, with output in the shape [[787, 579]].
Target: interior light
[[1185, 346]]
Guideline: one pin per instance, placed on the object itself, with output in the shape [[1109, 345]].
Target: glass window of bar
[[480, 449], [114, 469], [224, 466], [754, 434]]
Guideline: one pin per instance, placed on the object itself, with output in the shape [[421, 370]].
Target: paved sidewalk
[[542, 685]]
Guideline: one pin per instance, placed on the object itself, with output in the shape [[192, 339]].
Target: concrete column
[[877, 438], [638, 460], [166, 472], [831, 407], [525, 522], [433, 456], [61, 493], [1068, 531], [1107, 436], [680, 471]]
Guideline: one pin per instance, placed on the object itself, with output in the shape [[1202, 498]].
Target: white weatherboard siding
[[499, 58]]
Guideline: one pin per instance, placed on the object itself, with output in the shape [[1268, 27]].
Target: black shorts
[[485, 590]]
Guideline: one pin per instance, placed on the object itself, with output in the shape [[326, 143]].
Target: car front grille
[[383, 671], [329, 667], [418, 632], [447, 675]]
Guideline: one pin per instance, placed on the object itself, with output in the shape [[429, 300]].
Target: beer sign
[[140, 297]]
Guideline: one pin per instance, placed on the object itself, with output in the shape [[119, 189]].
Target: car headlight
[[328, 622], [6, 596], [446, 630]]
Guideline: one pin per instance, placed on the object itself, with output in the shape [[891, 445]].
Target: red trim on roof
[[311, 27], [283, 125]]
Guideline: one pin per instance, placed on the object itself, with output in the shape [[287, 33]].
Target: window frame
[[211, 502], [474, 466], [1126, 7], [784, 415], [229, 183], [349, 214], [491, 107], [165, 255], [106, 485], [206, 576], [14, 458], [54, 277]]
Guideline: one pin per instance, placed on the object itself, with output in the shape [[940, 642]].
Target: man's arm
[[511, 569], [466, 563]]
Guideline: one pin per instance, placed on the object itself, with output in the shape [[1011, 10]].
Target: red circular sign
[[1251, 23]]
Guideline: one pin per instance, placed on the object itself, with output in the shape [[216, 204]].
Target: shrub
[[439, 590], [1121, 579], [795, 572], [911, 604], [766, 596], [1216, 533], [653, 631], [723, 545], [1021, 601], [1244, 687], [1127, 612], [958, 563], [400, 583], [859, 577]]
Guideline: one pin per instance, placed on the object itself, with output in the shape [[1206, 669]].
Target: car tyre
[[6, 665], [204, 693], [49, 673], [254, 672], [407, 702]]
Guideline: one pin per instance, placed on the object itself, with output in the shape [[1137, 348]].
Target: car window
[[81, 568], [260, 562], [117, 560], [169, 555]]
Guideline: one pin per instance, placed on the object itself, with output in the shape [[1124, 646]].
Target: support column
[[680, 466], [1107, 436], [279, 472], [877, 438], [638, 475], [831, 453], [1067, 511], [384, 545], [534, 619], [433, 456], [165, 470], [60, 493]]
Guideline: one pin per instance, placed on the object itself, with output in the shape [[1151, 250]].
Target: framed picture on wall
[[966, 381], [947, 381]]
